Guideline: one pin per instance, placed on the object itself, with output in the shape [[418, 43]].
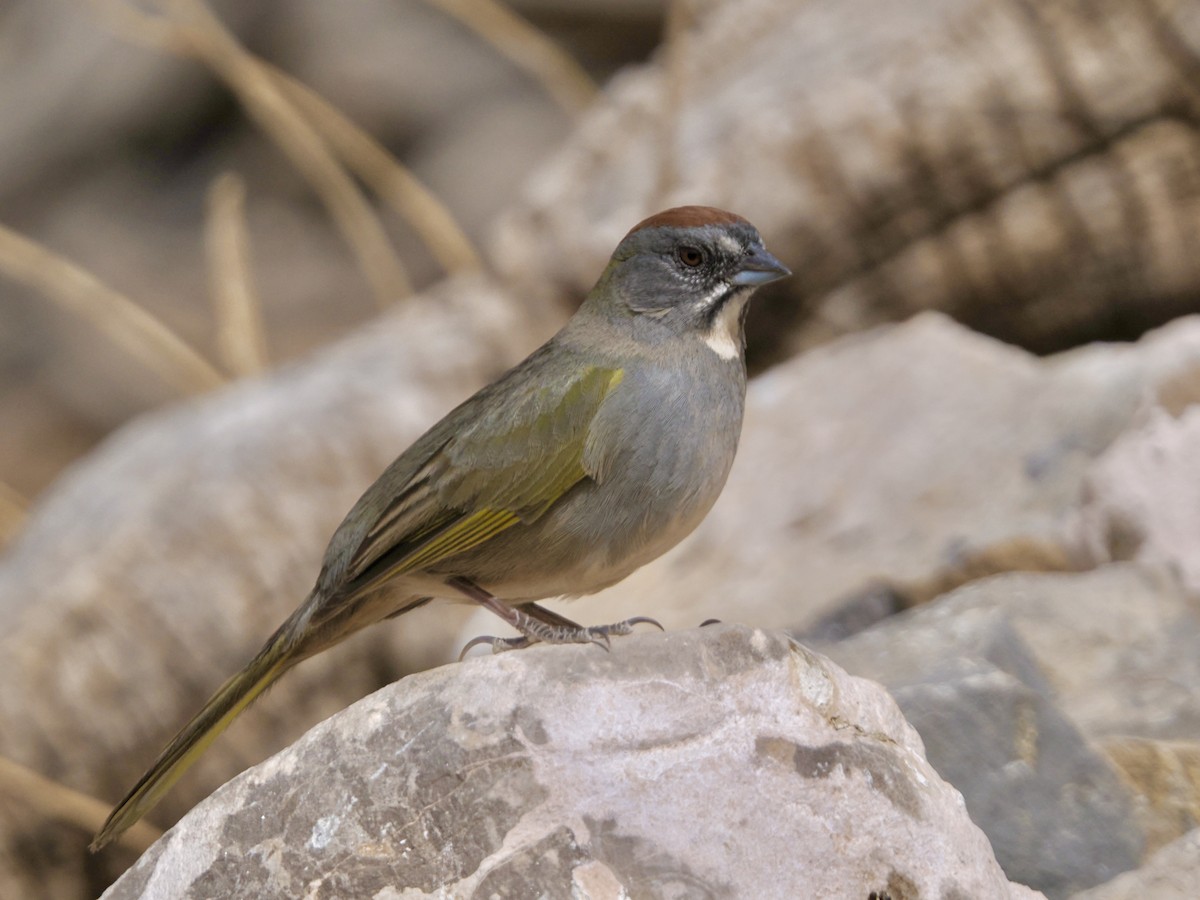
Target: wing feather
[[505, 466]]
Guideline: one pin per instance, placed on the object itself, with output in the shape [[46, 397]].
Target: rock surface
[[1143, 494], [722, 762], [1062, 705], [1171, 874], [1112, 647], [1166, 777], [1059, 816]]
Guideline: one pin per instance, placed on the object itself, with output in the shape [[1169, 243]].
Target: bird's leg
[[616, 629], [538, 624], [549, 617], [625, 626], [533, 628]]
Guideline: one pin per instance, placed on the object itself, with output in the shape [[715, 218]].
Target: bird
[[595, 455]]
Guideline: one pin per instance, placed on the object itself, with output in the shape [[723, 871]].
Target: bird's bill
[[758, 268]]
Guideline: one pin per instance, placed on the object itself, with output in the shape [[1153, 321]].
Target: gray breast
[[668, 435]]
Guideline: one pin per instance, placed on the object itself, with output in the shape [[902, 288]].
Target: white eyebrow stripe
[[730, 244]]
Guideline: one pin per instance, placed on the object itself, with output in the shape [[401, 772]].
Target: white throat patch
[[725, 336]]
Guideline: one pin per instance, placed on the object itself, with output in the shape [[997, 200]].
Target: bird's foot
[[536, 631], [498, 644], [618, 629], [539, 625]]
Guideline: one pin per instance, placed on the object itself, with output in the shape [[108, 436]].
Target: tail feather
[[276, 657], [320, 622]]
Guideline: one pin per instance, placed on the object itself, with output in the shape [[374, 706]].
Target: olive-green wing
[[506, 464]]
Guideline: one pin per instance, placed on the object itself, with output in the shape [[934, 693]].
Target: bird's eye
[[690, 256]]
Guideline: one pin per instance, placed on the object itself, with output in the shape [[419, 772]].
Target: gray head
[[690, 269]]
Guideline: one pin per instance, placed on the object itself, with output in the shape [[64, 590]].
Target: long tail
[[278, 655]]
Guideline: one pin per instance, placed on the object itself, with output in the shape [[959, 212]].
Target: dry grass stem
[[55, 801], [527, 48], [12, 512], [264, 102], [386, 176], [680, 18], [240, 338], [127, 324], [196, 32]]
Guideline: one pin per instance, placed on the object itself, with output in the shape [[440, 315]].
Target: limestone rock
[[1114, 647], [1143, 495], [1166, 776], [1027, 687], [1057, 814], [720, 762], [1171, 874]]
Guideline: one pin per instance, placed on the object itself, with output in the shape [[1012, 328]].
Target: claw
[[498, 644], [707, 622], [620, 629], [643, 620], [482, 639]]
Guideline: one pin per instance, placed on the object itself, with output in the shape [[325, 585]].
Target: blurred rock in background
[[1028, 169]]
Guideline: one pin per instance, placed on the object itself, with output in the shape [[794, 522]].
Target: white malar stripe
[[725, 336]]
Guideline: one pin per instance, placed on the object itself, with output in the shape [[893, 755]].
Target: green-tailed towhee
[[589, 459]]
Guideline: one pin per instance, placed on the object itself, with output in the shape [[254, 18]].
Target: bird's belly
[[591, 539], [570, 568], [656, 478]]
